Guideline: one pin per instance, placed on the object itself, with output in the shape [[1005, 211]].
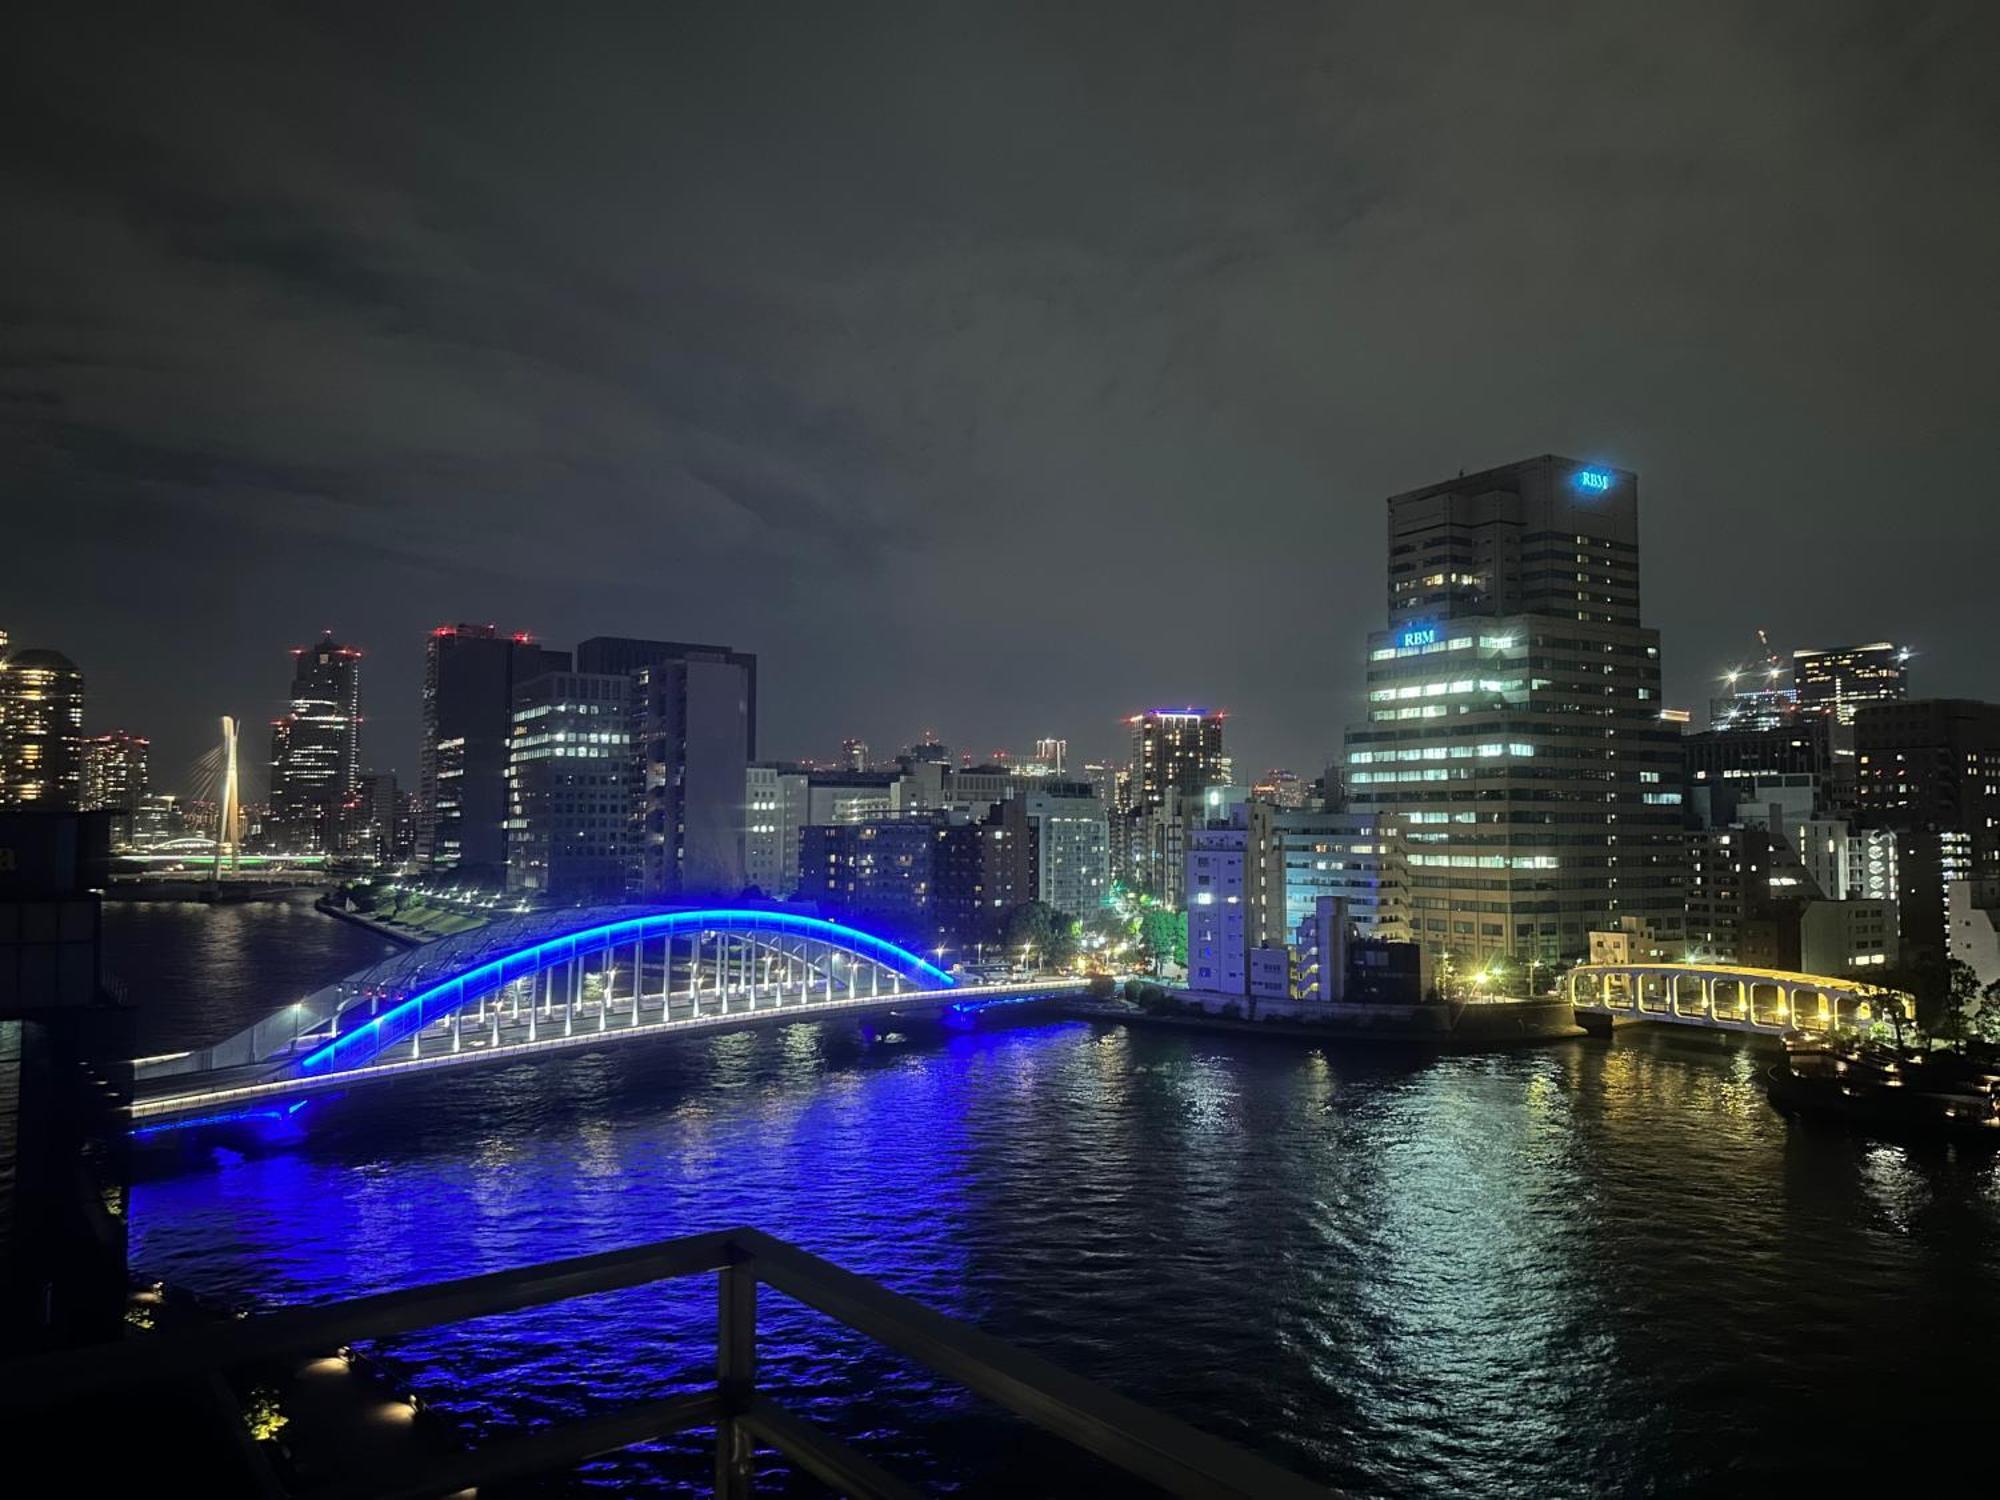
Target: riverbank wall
[[1461, 1026], [401, 936]]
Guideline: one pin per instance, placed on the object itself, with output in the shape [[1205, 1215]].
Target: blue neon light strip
[[230, 1117], [441, 999]]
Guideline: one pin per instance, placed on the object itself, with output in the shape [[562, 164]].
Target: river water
[[1582, 1269]]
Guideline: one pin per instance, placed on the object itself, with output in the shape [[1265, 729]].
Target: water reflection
[[1577, 1270]]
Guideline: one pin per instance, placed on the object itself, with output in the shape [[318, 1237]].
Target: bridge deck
[[503, 1035]]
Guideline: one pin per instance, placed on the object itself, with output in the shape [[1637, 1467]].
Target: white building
[[1217, 915], [1848, 937], [1072, 847], [1975, 927], [1357, 857]]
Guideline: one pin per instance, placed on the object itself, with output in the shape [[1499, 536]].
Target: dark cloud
[[992, 368]]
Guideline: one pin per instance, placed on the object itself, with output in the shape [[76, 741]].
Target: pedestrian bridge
[[538, 983], [1727, 997]]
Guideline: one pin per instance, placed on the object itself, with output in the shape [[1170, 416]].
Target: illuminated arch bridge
[[549, 981], [1730, 997]]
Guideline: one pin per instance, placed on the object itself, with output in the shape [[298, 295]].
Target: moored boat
[[1891, 1095]]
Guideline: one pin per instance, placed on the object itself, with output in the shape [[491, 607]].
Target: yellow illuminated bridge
[[1729, 997]]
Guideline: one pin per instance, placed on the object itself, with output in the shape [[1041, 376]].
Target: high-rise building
[[853, 755], [1842, 680], [1052, 756], [569, 787], [115, 779], [694, 735], [41, 731], [1175, 751], [1514, 724], [470, 672], [316, 748]]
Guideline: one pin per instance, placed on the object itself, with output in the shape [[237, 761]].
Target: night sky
[[993, 369]]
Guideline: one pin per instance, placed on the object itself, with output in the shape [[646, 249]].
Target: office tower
[[853, 755], [1514, 715], [1842, 680], [470, 672], [1052, 756], [1072, 846], [929, 750], [41, 731], [569, 787], [1175, 751], [316, 748], [694, 734], [1929, 769], [114, 779]]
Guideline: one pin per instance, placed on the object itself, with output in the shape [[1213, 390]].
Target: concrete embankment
[[401, 935], [1492, 1023]]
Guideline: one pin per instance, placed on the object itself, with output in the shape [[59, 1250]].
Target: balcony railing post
[[735, 1374]]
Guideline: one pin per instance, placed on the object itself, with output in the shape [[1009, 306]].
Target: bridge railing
[[743, 1413]]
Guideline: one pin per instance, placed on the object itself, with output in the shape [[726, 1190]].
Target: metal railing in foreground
[[1140, 1441]]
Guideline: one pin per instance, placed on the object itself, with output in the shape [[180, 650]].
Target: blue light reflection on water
[[1575, 1270]]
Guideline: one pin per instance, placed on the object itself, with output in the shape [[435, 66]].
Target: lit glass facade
[[1513, 729]]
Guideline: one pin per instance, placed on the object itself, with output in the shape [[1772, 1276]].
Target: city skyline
[[1050, 352]]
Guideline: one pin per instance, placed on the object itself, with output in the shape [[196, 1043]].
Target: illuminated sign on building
[[1593, 479], [1418, 635]]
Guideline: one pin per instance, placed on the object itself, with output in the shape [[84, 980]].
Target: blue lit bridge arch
[[532, 984], [629, 971]]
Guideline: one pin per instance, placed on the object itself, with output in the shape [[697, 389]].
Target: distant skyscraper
[[1052, 756], [316, 747], [470, 672], [114, 779], [1175, 752], [1514, 714], [1842, 680], [853, 755], [1281, 788], [41, 731]]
